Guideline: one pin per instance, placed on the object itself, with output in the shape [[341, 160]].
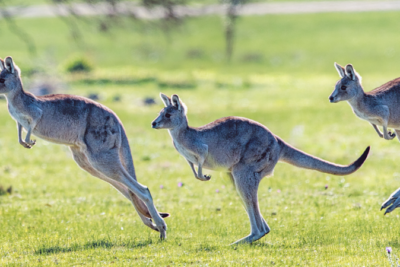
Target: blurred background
[[184, 42]]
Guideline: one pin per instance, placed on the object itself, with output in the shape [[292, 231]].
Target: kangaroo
[[246, 149], [93, 132], [380, 107]]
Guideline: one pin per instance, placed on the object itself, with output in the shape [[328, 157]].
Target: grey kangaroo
[[245, 148], [380, 107], [93, 132]]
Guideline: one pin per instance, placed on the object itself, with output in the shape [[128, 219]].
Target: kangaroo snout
[[334, 98], [153, 124]]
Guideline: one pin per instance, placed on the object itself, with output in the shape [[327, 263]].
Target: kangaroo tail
[[301, 159], [127, 161]]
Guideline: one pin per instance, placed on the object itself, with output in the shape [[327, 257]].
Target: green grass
[[58, 214], [65, 216]]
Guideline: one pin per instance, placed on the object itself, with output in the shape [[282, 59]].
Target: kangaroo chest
[[19, 117], [368, 117], [186, 153]]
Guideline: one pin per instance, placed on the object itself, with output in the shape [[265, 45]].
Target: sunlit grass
[[60, 214]]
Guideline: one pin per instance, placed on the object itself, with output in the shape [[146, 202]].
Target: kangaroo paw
[[26, 145], [204, 178], [32, 142]]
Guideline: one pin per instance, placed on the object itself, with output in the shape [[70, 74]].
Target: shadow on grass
[[161, 84], [91, 245], [117, 81]]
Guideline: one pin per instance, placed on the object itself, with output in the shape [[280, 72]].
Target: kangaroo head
[[173, 115], [348, 86], [9, 76]]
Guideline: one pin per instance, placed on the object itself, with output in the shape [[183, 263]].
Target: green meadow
[[281, 75]]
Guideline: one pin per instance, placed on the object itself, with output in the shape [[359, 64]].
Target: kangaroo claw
[[26, 145], [207, 177], [32, 142]]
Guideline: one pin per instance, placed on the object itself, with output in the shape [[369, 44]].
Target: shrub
[[78, 64]]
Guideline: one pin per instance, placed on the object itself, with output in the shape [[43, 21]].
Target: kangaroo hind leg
[[108, 163], [127, 162], [82, 161], [247, 182]]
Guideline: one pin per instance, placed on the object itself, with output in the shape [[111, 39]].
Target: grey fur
[[243, 147], [93, 132], [392, 202], [380, 107]]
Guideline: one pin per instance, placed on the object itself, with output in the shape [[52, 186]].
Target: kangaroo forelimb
[[377, 130]]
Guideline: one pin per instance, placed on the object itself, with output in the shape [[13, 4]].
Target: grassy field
[[60, 215]]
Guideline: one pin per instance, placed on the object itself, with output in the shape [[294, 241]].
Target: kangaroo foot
[[205, 178], [250, 238], [26, 145]]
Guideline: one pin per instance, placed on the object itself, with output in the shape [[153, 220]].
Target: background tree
[[230, 26]]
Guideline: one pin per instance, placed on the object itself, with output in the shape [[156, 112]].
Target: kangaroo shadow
[[102, 243]]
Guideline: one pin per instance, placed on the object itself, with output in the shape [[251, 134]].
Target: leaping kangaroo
[[243, 147], [93, 132], [380, 107]]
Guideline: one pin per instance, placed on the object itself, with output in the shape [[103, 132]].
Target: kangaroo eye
[[2, 80], [167, 115], [343, 87]]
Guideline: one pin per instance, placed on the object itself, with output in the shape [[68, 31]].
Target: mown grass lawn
[[58, 214]]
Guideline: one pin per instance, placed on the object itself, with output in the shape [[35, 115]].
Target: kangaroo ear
[[9, 64], [340, 70], [351, 73], [2, 67], [177, 103], [165, 99]]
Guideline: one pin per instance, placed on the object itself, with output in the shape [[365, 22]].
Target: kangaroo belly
[[60, 129], [59, 135]]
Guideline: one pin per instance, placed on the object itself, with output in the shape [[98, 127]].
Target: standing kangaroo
[[245, 148], [93, 132], [380, 107]]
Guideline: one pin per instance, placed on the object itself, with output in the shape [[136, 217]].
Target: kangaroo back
[[301, 159]]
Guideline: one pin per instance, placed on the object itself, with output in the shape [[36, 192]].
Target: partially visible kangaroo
[[245, 148], [393, 201], [93, 132], [380, 107]]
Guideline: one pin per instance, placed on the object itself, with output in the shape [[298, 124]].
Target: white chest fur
[[370, 118], [186, 153], [18, 116]]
